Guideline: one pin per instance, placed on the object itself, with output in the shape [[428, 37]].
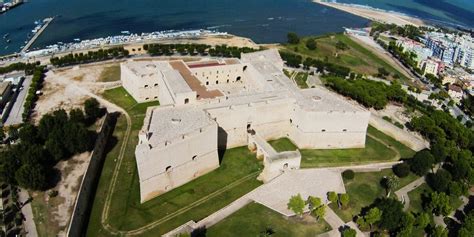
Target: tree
[[390, 183], [373, 216], [440, 231], [422, 220], [311, 44], [296, 204], [392, 212], [348, 174], [28, 134], [467, 227], [401, 170], [293, 38], [439, 204], [422, 162], [31, 176], [344, 199], [348, 232], [313, 202], [440, 181], [92, 109], [332, 197], [77, 116], [341, 45], [319, 212]]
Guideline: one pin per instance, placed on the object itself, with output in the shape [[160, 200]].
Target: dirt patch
[[60, 89], [110, 73], [52, 214], [72, 172]]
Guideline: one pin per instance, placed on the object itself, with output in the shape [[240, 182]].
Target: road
[[29, 223], [15, 116]]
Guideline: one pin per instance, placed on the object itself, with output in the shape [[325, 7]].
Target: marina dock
[[37, 34]]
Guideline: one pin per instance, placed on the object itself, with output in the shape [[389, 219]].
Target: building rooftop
[[169, 123], [193, 82], [3, 87]]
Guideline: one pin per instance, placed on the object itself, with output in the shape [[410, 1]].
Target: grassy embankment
[[373, 152], [356, 57], [239, 167], [255, 219]]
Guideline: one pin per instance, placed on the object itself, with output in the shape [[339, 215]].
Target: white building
[[455, 92], [430, 66], [236, 103]]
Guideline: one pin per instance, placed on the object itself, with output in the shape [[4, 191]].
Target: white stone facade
[[179, 141]]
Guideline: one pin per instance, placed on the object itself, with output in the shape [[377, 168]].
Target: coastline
[[375, 14]]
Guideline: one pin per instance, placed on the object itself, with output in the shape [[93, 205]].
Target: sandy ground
[[72, 172], [60, 88], [376, 15]]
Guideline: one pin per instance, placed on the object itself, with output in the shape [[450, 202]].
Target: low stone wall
[[398, 134], [85, 198]]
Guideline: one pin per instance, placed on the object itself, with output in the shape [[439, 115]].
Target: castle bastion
[[219, 104]]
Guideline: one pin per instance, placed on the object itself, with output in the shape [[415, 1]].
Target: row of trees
[[316, 208], [195, 49], [90, 56], [32, 97], [409, 31], [29, 68], [369, 93], [295, 60], [29, 162]]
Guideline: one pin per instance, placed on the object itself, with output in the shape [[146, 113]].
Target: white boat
[[125, 32]]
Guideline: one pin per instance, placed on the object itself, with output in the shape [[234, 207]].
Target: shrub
[[348, 174], [401, 170]]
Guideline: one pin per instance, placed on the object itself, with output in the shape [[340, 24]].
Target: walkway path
[[335, 222], [402, 193], [29, 223]]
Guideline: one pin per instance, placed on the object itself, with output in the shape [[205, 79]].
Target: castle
[[220, 104]]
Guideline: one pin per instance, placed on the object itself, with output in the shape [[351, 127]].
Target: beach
[[375, 14]]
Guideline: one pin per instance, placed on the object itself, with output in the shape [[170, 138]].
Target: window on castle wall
[[147, 98], [217, 82], [245, 68], [344, 130], [207, 83], [168, 168], [186, 100], [194, 157], [291, 120], [238, 79], [227, 80], [156, 97], [323, 130], [156, 84], [146, 86]]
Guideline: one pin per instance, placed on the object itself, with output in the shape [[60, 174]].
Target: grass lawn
[[356, 57], [300, 79], [415, 197], [373, 152], [364, 189], [126, 212], [110, 73], [405, 152], [254, 219]]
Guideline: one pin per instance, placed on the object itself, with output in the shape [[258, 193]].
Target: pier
[[37, 34]]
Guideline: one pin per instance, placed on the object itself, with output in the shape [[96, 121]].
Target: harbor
[[4, 7], [37, 32]]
